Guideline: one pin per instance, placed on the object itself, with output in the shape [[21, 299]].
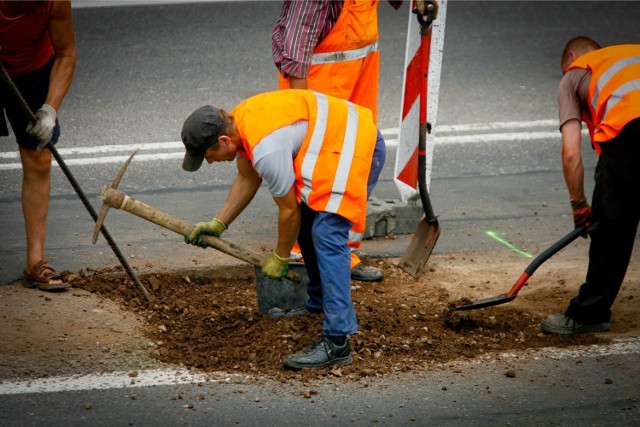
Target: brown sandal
[[44, 277]]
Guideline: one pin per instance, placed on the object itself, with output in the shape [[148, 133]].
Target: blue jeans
[[323, 241]]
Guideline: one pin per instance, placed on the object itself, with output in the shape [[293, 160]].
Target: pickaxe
[[114, 198]]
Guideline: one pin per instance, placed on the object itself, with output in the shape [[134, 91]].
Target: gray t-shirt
[[273, 157], [573, 95]]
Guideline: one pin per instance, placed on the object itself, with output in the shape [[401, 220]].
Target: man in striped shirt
[[315, 46]]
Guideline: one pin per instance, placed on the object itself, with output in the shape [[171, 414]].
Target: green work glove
[[275, 267], [581, 213], [215, 227]]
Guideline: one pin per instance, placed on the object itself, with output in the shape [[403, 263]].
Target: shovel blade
[[487, 302], [420, 248]]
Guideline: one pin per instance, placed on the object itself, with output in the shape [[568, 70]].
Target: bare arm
[[572, 167], [297, 83], [64, 48], [288, 222], [242, 191]]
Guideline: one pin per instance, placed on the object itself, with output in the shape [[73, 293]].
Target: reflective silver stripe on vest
[[343, 55], [617, 95], [346, 159], [311, 157], [604, 79], [355, 237]]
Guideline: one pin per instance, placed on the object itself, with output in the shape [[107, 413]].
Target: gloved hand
[[581, 213], [215, 227], [422, 7], [43, 127], [436, 6], [275, 267]]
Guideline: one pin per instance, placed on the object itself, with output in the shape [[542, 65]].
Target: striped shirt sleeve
[[302, 25]]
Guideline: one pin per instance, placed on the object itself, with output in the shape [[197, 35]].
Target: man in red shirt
[[37, 49]]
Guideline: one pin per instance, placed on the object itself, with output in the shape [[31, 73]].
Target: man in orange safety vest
[[320, 157], [600, 86]]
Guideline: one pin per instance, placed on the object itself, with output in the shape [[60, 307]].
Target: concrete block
[[391, 217]]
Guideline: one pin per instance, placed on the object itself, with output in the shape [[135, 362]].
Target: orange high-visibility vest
[[334, 161], [614, 91], [346, 63]]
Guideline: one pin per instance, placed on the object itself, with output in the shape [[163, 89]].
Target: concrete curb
[[391, 217]]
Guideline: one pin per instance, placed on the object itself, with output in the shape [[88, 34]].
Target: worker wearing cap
[[601, 86], [331, 46], [320, 157]]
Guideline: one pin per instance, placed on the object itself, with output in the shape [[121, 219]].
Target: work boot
[[366, 273], [276, 312], [562, 324], [322, 354]]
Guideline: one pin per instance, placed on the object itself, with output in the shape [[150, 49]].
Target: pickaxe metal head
[[105, 207]]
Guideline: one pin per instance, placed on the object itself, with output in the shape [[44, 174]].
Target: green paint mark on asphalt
[[510, 245]]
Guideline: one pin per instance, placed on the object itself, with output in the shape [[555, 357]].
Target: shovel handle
[[518, 285], [119, 200], [513, 292], [545, 255], [555, 248]]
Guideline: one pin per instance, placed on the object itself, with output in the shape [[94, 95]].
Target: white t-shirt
[[273, 157]]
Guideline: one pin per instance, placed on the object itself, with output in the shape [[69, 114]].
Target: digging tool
[[428, 230], [85, 201], [537, 262], [114, 198]]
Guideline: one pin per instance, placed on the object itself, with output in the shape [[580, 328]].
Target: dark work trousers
[[323, 241], [616, 213]]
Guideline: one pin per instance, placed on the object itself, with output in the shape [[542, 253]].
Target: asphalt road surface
[[143, 68]]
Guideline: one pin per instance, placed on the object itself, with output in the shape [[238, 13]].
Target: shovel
[[537, 262], [428, 230]]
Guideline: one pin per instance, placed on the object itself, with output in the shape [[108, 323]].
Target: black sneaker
[[562, 324], [322, 354]]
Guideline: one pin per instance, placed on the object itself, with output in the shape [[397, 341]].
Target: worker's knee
[[35, 163]]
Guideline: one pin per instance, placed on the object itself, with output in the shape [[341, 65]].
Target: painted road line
[[620, 346], [172, 145], [175, 149], [106, 381], [495, 235], [170, 377], [485, 126], [104, 160]]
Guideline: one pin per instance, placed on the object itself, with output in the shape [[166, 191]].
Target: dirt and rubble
[[208, 320]]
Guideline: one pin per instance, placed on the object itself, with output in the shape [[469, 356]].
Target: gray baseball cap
[[201, 129]]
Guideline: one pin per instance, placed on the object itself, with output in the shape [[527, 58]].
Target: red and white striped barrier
[[406, 168]]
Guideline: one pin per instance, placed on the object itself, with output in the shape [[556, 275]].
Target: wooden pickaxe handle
[[119, 200]]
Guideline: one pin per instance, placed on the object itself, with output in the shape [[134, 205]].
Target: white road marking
[[163, 377], [486, 126], [105, 381], [446, 134]]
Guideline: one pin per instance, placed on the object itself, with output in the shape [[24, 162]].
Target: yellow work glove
[[275, 267], [215, 227]]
